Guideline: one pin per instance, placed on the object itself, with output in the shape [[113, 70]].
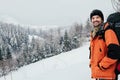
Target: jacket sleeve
[[110, 39]]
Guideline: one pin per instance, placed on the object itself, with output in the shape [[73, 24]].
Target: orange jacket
[[101, 65]]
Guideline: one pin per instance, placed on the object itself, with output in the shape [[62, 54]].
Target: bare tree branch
[[116, 5]]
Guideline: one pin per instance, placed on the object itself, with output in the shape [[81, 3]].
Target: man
[[102, 67]]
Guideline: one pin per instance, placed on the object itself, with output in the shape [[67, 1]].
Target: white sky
[[51, 12]]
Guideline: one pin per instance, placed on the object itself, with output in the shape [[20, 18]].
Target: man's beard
[[97, 25]]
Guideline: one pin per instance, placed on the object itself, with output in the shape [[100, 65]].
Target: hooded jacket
[[101, 65]]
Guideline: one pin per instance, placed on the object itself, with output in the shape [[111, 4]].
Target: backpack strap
[[102, 30], [109, 25], [106, 26]]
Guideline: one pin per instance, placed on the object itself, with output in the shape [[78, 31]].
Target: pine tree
[[67, 43], [75, 43], [88, 28], [9, 55], [1, 57]]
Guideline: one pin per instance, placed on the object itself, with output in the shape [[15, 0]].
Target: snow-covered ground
[[72, 65]]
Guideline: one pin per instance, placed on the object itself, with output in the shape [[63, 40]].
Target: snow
[[44, 27], [8, 19], [72, 65], [11, 20], [35, 37]]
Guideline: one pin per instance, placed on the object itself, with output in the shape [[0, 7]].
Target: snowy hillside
[[11, 20], [8, 19], [72, 65]]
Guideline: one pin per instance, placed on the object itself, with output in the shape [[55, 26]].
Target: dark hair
[[96, 12]]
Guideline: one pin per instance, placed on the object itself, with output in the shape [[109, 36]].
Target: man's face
[[96, 21]]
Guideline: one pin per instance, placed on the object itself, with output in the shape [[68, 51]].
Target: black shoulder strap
[[105, 27]]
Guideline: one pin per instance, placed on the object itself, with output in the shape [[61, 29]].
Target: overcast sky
[[51, 12]]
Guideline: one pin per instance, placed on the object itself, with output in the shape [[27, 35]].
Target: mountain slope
[[72, 65]]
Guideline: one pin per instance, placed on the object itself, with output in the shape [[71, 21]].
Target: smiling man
[[102, 67], [97, 20]]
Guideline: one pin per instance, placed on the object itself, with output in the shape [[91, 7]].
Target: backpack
[[113, 22]]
